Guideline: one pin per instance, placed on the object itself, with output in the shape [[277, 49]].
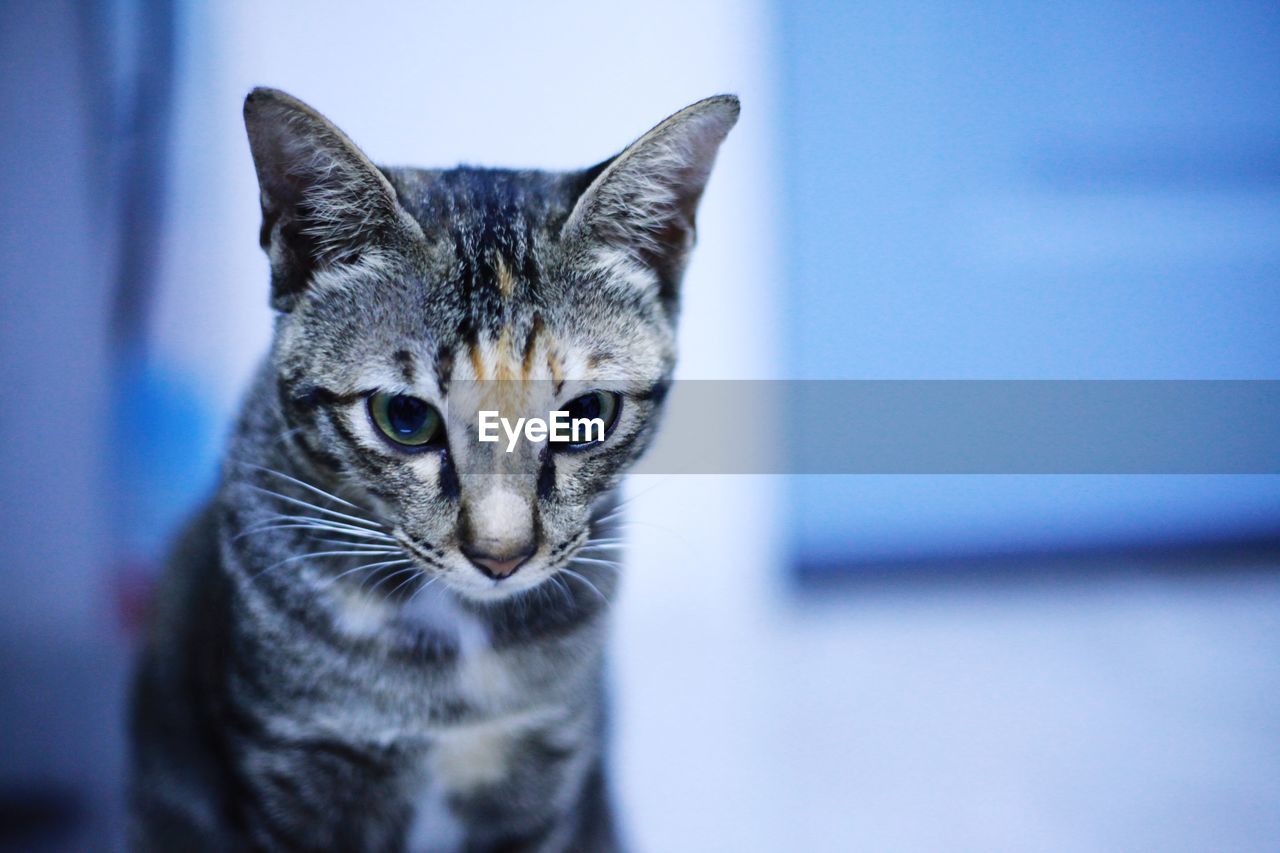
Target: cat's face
[[411, 301], [388, 369]]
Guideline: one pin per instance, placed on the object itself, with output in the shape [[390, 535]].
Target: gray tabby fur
[[325, 669]]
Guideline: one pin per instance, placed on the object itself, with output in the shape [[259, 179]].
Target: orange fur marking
[[531, 347], [504, 357], [477, 363], [553, 365], [506, 282]]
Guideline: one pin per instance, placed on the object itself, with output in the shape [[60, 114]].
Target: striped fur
[[326, 669]]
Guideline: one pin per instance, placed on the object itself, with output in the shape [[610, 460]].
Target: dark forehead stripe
[[404, 361], [489, 228], [444, 366]]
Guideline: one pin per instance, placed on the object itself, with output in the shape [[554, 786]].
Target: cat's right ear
[[323, 202], [640, 206]]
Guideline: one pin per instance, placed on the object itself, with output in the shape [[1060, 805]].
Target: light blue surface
[[998, 191]]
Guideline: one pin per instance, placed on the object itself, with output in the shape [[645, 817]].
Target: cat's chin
[[471, 586]]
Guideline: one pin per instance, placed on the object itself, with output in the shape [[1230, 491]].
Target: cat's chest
[[481, 676], [473, 674], [471, 762], [513, 750]]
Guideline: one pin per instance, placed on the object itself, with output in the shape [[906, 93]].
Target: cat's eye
[[407, 421], [602, 406]]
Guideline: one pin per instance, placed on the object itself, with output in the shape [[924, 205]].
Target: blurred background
[[917, 190]]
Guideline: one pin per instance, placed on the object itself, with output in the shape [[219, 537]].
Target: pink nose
[[497, 567]]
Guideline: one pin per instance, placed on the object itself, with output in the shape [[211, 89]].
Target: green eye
[[595, 405], [406, 421]]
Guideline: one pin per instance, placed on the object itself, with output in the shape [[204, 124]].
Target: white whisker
[[367, 546], [419, 590], [624, 503], [315, 489], [365, 567], [563, 590], [402, 583], [605, 519], [379, 540], [312, 554], [331, 512], [386, 578], [284, 516], [612, 564], [321, 524], [571, 573]]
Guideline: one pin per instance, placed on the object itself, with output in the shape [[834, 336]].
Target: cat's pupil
[[407, 415], [408, 421], [598, 406], [586, 406]]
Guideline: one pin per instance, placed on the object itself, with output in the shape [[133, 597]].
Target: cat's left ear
[[641, 207], [323, 202]]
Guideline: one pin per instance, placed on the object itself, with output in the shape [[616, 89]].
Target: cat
[[382, 633]]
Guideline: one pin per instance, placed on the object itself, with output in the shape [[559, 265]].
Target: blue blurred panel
[[174, 440], [1005, 190]]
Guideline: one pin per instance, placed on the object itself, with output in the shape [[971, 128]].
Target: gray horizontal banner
[[969, 427], [890, 426]]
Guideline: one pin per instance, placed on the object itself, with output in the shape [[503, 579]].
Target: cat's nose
[[498, 566]]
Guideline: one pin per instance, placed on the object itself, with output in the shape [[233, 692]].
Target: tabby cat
[[383, 633]]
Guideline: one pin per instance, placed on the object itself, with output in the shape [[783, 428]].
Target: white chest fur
[[464, 758]]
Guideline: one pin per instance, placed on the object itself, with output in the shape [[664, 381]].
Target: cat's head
[[412, 300]]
